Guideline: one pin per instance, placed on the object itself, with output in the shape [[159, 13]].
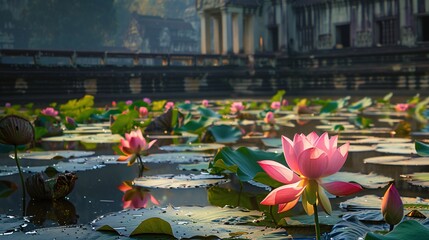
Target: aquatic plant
[[310, 158], [392, 207]]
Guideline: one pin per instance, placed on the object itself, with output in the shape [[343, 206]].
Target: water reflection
[[60, 211], [135, 196]]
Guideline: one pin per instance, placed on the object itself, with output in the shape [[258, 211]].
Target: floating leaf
[[7, 188], [196, 147], [398, 161], [206, 112], [50, 155], [396, 148], [7, 170], [360, 105], [10, 223], [408, 229], [225, 133], [422, 149], [272, 142], [418, 179], [66, 167], [186, 157], [201, 166], [189, 222], [371, 180], [372, 202], [180, 181], [377, 140]]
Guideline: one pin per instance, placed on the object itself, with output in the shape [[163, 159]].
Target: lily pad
[[170, 181], [371, 181], [7, 170], [100, 159], [64, 138], [378, 140], [189, 222], [408, 229], [422, 149], [201, 166], [66, 167], [87, 130], [396, 148], [272, 142], [373, 202], [51, 155], [183, 135], [361, 148], [225, 133], [418, 179], [398, 161], [185, 157], [102, 138], [195, 147], [10, 223]]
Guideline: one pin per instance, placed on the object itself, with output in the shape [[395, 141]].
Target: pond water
[[96, 191]]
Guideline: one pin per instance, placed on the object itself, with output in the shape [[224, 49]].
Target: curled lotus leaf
[[15, 130], [40, 187]]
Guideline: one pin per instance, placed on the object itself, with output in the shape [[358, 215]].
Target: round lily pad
[[188, 222], [371, 181], [201, 166], [66, 167], [64, 138], [184, 135], [180, 181], [87, 130], [361, 148], [378, 140], [396, 148], [100, 159], [197, 147], [185, 157], [374, 202], [53, 155], [418, 179], [101, 138], [390, 120], [7, 170], [398, 161]]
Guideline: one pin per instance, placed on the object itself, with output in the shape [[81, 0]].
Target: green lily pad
[[418, 179], [185, 157], [183, 135], [361, 148], [87, 130], [396, 148], [10, 223], [189, 222], [7, 188], [422, 149], [225, 133], [408, 229], [378, 140], [170, 181], [398, 161], [64, 138], [373, 202], [102, 138], [7, 170], [66, 167], [371, 181], [193, 147], [272, 142], [53, 155], [206, 112], [305, 220], [99, 159], [201, 166]]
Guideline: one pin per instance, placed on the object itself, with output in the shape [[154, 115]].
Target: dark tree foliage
[[70, 24]]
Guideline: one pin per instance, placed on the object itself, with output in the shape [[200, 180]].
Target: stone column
[[237, 30], [217, 35], [205, 33], [226, 31], [249, 35]]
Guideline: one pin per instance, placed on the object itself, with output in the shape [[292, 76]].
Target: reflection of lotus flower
[[310, 158], [133, 146], [402, 107], [205, 103], [391, 206], [49, 112], [269, 118], [143, 112], [147, 100], [275, 105], [135, 197], [236, 107], [169, 105], [16, 130]]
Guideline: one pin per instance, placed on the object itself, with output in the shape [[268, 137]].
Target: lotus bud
[[205, 103], [169, 105], [113, 103], [143, 112], [275, 105], [402, 107], [8, 105], [269, 118], [129, 102], [391, 206], [16, 130]]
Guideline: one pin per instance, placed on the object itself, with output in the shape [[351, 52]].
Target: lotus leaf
[[170, 181]]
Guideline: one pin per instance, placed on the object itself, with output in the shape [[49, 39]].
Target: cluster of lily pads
[[223, 140]]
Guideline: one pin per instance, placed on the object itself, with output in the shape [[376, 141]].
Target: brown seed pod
[[15, 130]]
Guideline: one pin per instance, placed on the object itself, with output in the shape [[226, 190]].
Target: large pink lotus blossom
[[49, 112], [391, 206], [276, 105], [236, 107], [402, 107], [133, 146], [135, 197], [310, 158], [269, 118]]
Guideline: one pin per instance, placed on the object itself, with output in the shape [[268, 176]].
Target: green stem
[[22, 180], [141, 166], [316, 222]]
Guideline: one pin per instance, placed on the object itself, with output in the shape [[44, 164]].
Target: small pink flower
[[269, 118], [169, 105], [391, 206], [285, 102], [49, 112], [147, 100], [236, 107], [113, 103], [275, 105], [187, 101], [133, 146], [205, 103], [143, 112], [8, 105], [310, 158], [129, 102], [402, 107]]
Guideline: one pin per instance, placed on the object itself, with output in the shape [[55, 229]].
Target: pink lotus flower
[[135, 197], [113, 103], [169, 105], [129, 102], [187, 101], [285, 102], [205, 103], [310, 158], [133, 146], [49, 112], [147, 100], [269, 118], [8, 105], [275, 105], [236, 107], [402, 107], [391, 206], [143, 112]]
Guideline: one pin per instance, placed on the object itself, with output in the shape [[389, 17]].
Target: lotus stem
[[316, 222], [391, 226], [22, 180], [141, 166]]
